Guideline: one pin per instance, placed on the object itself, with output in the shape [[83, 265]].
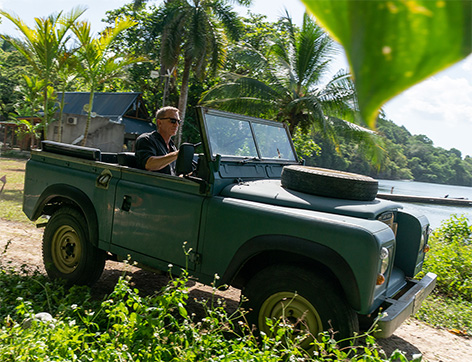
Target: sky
[[439, 107]]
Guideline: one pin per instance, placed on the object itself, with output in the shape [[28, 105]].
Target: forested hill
[[407, 157]]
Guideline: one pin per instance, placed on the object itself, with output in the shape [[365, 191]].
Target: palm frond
[[229, 19]]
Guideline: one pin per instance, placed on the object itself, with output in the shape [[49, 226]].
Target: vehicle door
[[154, 215]]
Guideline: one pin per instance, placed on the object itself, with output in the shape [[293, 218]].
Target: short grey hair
[[162, 111]]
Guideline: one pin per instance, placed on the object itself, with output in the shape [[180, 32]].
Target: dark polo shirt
[[152, 144]]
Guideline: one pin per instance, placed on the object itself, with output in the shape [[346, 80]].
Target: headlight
[[385, 259]]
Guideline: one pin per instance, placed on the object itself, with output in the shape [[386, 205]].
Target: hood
[[272, 192]]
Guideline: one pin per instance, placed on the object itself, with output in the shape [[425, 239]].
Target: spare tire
[[329, 183]]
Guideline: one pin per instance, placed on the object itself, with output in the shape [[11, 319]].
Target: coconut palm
[[41, 46], [195, 32], [99, 63], [288, 87]]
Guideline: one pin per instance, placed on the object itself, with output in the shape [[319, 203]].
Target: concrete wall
[[103, 134]]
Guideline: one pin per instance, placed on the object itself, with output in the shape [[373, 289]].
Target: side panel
[[49, 176], [231, 222], [154, 215]]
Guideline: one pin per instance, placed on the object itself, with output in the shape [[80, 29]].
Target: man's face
[[165, 124]]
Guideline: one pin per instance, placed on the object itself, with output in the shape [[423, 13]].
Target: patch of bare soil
[[22, 245]]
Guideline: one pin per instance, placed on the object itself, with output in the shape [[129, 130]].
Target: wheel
[[303, 299], [67, 251], [329, 183]]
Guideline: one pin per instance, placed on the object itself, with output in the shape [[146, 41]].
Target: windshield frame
[[203, 112]]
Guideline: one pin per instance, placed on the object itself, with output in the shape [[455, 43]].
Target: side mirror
[[184, 164]]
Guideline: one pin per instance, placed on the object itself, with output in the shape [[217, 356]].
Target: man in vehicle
[[155, 151]]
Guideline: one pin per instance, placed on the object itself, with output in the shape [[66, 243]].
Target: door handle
[[126, 205]]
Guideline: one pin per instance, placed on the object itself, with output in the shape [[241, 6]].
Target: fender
[[288, 249], [72, 195]]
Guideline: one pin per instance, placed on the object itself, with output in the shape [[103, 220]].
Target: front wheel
[[67, 251], [304, 300]]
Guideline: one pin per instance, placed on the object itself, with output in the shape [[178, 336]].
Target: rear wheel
[[67, 251], [307, 302]]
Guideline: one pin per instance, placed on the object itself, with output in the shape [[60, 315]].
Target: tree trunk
[[59, 130], [183, 97], [46, 112], [89, 116]]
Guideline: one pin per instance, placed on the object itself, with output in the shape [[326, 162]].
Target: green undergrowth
[[450, 258], [126, 326]]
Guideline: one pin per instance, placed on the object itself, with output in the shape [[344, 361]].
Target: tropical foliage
[[97, 64], [195, 33], [41, 46], [276, 70], [285, 80]]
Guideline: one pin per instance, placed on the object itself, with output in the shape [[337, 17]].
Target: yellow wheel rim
[[295, 310], [66, 249]]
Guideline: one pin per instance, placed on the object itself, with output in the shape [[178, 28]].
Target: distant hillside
[[407, 156]]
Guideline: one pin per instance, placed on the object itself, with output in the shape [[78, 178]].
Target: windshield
[[231, 135]]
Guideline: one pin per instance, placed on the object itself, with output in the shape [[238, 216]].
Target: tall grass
[[450, 258]]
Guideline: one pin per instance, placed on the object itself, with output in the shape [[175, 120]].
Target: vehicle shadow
[[389, 345], [150, 283]]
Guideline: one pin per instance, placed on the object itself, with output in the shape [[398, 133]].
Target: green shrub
[[450, 258], [129, 327]]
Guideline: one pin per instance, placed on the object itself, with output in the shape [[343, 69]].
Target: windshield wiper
[[248, 159]]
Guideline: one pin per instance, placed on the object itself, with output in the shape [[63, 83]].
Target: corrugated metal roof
[[105, 104], [136, 126]]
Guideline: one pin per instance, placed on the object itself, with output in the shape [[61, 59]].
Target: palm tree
[[196, 32], [289, 87], [41, 46], [98, 62]]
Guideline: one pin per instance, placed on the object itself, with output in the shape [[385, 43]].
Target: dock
[[426, 199]]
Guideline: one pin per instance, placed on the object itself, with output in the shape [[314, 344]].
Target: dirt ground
[[23, 246]]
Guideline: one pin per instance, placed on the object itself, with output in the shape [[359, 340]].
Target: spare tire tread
[[329, 183]]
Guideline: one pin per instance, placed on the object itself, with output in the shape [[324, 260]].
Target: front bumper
[[408, 303]]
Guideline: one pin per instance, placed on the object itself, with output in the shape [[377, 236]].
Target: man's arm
[[156, 163]]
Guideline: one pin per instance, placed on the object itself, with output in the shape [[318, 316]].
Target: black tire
[[299, 294], [329, 183], [67, 251]]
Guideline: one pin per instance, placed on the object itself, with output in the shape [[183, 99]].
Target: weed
[[128, 327]]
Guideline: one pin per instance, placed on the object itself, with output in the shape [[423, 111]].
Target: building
[[117, 120], [16, 135]]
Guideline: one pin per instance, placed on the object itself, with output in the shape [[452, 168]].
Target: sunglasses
[[172, 120]]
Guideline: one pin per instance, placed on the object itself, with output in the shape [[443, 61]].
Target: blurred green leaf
[[392, 45]]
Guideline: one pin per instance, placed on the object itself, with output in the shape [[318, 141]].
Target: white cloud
[[467, 64]]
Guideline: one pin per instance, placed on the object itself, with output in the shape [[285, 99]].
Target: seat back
[[127, 159]]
